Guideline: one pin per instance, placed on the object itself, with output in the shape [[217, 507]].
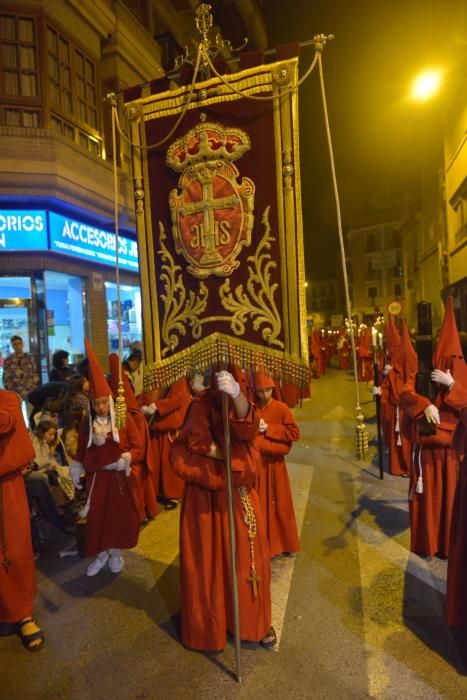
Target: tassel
[[419, 486], [120, 407]]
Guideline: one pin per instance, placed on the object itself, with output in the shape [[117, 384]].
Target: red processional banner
[[218, 202]]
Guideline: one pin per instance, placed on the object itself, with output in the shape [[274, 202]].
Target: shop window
[[64, 302], [15, 314], [130, 308]]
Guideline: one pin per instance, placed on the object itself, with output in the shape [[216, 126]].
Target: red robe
[[456, 594], [18, 585], [272, 483], [400, 448], [113, 520], [165, 427], [344, 354], [435, 460], [147, 502], [205, 591]]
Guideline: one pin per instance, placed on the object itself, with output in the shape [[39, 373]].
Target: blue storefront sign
[[42, 230], [84, 241], [23, 230]]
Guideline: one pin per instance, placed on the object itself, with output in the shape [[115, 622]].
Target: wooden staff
[[232, 542]]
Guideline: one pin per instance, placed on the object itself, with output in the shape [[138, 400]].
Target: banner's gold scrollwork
[[212, 216], [259, 303], [178, 309]]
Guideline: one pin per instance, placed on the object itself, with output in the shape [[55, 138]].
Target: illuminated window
[[73, 91]]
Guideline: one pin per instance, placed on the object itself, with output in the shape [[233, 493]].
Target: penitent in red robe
[[456, 593], [18, 579], [272, 483], [113, 520], [434, 459], [147, 502], [205, 590], [400, 449], [164, 428]]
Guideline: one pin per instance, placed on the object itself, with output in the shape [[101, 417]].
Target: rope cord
[[117, 267], [202, 51], [282, 93], [339, 229], [179, 119]]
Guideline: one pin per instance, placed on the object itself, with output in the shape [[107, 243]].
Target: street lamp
[[426, 85]]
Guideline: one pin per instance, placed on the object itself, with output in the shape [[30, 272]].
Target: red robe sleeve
[[412, 403], [456, 397], [281, 424], [16, 450], [171, 410]]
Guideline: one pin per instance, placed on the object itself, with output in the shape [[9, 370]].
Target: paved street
[[357, 615]]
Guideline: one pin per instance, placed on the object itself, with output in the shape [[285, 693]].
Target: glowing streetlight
[[426, 85]]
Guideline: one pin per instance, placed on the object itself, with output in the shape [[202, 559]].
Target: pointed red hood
[[130, 398], [98, 384], [393, 339], [263, 381], [409, 356], [448, 352]]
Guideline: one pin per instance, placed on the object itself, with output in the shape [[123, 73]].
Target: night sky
[[377, 132]]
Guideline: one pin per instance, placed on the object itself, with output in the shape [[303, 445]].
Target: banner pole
[[378, 415], [233, 549]]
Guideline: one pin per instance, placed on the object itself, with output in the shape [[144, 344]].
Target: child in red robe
[[277, 431], [106, 454]]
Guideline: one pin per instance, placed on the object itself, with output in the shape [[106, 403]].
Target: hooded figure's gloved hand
[[444, 378], [387, 369], [376, 390], [124, 463], [150, 409], [76, 471], [432, 414], [227, 384]]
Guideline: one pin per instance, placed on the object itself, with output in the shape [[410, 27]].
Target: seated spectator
[[51, 411], [61, 372], [47, 467], [69, 433], [133, 365], [38, 397], [77, 396]]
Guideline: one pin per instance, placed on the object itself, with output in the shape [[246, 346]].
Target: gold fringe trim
[[120, 407], [219, 348]]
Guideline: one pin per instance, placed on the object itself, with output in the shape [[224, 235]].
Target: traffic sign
[[395, 308]]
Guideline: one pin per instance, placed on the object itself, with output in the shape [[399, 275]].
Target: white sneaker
[[116, 563], [99, 562]]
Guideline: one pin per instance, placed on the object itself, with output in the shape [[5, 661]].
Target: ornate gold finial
[[320, 40], [120, 406], [204, 20]]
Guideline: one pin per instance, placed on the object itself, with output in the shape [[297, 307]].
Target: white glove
[[113, 466], [432, 414], [124, 463], [227, 384], [387, 369], [76, 470], [376, 390], [441, 377], [150, 409], [262, 426]]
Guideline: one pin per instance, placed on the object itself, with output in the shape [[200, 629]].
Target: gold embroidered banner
[[220, 225]]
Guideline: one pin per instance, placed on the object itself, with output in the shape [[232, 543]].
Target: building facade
[[376, 268], [58, 62]]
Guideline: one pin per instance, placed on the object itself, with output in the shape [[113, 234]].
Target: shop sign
[[23, 230], [84, 241]]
